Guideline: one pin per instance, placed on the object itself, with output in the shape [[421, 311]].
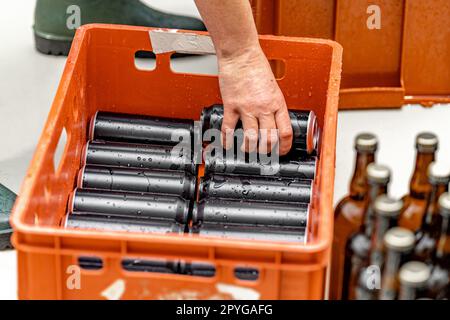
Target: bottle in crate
[[416, 201], [430, 231], [398, 243], [414, 277], [358, 245], [439, 284], [387, 211], [349, 212]]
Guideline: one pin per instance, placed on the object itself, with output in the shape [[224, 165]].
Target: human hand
[[250, 92]]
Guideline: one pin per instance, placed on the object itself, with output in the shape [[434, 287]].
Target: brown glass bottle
[[439, 285], [416, 201], [387, 211], [358, 245], [398, 244], [349, 212], [414, 277], [430, 231]]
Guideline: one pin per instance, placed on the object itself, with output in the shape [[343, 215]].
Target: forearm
[[231, 25], [248, 87]]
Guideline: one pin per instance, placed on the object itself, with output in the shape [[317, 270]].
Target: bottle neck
[[432, 220], [419, 185], [390, 284], [443, 246], [411, 293], [382, 225], [375, 190], [358, 184]]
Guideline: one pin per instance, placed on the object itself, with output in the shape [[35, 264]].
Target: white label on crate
[[238, 292], [115, 291], [169, 41]]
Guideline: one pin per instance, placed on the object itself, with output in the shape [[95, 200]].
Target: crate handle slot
[[60, 150], [90, 262], [198, 269], [208, 65], [180, 43], [152, 266], [246, 273], [176, 43], [145, 60], [195, 269]]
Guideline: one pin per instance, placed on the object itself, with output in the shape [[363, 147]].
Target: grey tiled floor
[[28, 81]]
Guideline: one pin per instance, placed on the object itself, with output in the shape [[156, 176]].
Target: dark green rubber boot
[[7, 198], [57, 20]]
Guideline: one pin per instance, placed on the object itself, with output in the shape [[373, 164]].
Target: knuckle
[[227, 132], [226, 126], [251, 137], [231, 104], [285, 134]]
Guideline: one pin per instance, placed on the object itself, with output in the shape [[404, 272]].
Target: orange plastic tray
[[100, 74], [407, 60]]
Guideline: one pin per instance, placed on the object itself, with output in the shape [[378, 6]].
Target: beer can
[[130, 205], [240, 212], [141, 129], [304, 126], [260, 233], [302, 168], [95, 221], [255, 188], [138, 156], [137, 180]]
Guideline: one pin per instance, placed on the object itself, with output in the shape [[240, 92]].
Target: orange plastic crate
[[100, 74], [407, 60]]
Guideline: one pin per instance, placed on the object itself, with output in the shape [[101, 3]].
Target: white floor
[[28, 81]]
